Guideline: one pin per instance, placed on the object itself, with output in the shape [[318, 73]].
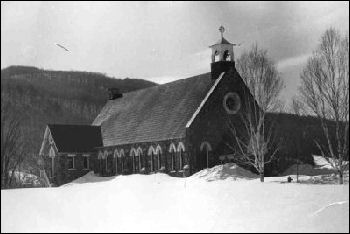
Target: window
[[227, 56], [216, 57], [159, 160], [86, 161], [140, 154], [173, 161], [172, 151], [71, 163], [150, 153], [232, 103], [159, 157], [205, 148], [181, 159], [135, 160], [181, 150], [152, 161]]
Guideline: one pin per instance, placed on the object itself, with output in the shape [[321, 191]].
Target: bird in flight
[[61, 46]]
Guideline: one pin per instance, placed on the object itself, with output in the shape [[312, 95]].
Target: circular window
[[232, 103]]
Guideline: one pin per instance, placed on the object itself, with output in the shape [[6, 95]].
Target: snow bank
[[226, 171], [160, 203]]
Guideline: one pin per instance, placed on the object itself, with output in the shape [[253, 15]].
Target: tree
[[11, 146], [297, 108], [325, 92], [254, 144]]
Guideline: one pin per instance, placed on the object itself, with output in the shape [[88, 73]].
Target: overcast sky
[[162, 41]]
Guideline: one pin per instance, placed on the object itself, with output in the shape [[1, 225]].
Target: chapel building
[[176, 128]]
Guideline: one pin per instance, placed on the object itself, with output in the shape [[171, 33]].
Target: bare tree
[[11, 146], [298, 109], [254, 144], [325, 91]]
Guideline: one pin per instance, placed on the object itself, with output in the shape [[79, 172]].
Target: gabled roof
[[153, 114], [76, 138]]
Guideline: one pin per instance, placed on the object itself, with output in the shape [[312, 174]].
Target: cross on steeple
[[222, 30]]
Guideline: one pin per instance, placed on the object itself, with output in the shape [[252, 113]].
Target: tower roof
[[222, 40]]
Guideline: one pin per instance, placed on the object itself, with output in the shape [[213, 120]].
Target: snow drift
[[226, 171], [232, 202]]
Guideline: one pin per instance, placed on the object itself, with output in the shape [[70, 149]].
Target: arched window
[[122, 158], [215, 57], [52, 156], [181, 150], [119, 156], [140, 155], [135, 162], [151, 153], [105, 156], [227, 56], [115, 155], [172, 151], [159, 157], [205, 148], [100, 157]]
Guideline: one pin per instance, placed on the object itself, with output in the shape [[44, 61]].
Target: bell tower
[[222, 56]]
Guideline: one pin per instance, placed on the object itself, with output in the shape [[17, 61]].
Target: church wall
[[68, 175], [63, 174], [124, 165], [211, 124]]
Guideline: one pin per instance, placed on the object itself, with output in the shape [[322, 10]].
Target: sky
[[162, 41]]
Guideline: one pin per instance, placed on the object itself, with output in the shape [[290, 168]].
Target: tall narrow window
[[106, 161], [159, 160], [99, 157], [181, 150], [86, 161], [140, 155], [173, 161], [71, 163], [150, 158], [135, 160], [159, 157], [172, 151], [205, 149], [152, 161], [181, 159], [52, 156]]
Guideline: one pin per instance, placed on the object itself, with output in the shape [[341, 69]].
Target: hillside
[[40, 96]]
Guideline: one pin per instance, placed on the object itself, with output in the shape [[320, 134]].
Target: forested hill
[[40, 96]]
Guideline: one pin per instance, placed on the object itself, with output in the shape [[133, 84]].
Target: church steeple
[[222, 56]]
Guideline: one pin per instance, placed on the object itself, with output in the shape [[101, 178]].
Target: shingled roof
[[76, 138], [153, 114]]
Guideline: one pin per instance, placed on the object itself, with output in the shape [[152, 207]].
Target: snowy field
[[221, 199]]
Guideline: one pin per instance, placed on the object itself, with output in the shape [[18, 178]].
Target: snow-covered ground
[[221, 199]]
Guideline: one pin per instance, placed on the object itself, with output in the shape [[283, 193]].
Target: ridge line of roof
[[168, 83], [205, 100]]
